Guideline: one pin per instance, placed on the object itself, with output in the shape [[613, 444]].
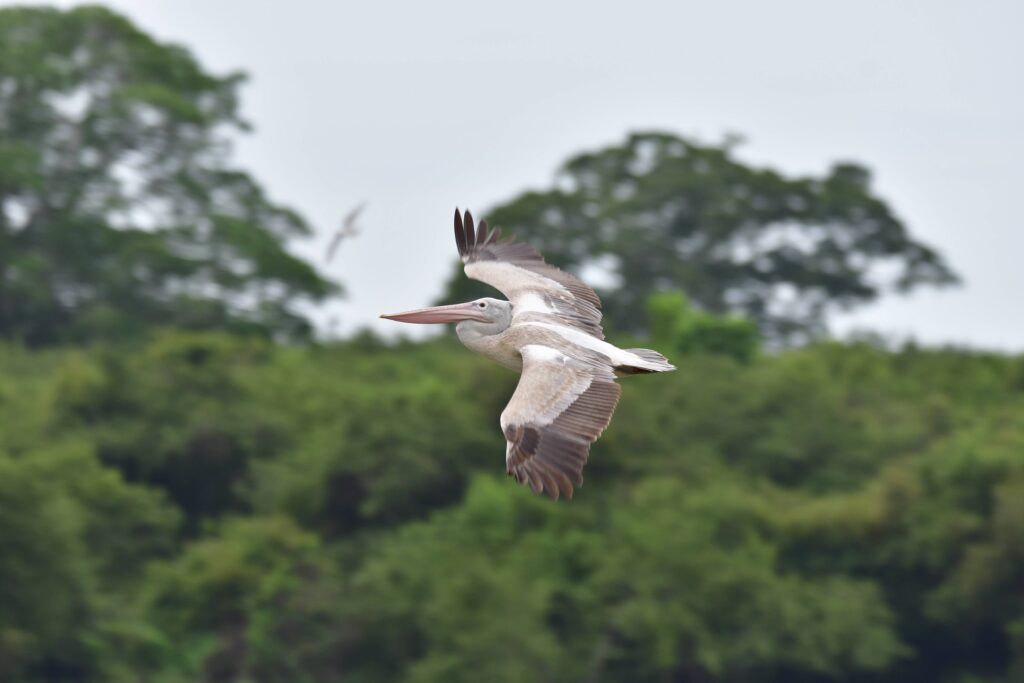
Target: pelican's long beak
[[441, 314]]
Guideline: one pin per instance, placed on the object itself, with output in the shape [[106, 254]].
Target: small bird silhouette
[[348, 228]]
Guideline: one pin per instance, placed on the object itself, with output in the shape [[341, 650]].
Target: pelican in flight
[[550, 331]]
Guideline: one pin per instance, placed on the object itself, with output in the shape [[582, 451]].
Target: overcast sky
[[419, 107]]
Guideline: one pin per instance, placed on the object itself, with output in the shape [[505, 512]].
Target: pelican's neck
[[487, 340], [474, 329]]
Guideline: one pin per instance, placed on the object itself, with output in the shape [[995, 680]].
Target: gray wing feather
[[560, 407], [536, 288]]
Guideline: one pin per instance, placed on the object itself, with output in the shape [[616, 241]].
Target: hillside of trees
[[207, 507], [193, 489]]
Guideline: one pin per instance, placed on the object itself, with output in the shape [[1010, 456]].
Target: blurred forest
[[192, 489]]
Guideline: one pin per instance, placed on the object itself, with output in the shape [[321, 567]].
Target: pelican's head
[[485, 316]]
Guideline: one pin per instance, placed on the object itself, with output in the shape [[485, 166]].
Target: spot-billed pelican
[[550, 331]]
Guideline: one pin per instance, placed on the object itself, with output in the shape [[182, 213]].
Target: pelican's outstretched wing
[[561, 406], [539, 292]]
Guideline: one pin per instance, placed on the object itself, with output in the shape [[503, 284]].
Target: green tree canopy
[[118, 205], [196, 506], [664, 212]]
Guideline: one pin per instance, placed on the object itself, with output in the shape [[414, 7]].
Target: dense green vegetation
[[212, 508]]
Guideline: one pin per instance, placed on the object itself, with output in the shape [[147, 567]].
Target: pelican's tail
[[646, 361]]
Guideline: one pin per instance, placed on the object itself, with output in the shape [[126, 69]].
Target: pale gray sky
[[419, 107]]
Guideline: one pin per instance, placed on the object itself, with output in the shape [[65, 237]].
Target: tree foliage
[[207, 507], [663, 212], [676, 326], [119, 207]]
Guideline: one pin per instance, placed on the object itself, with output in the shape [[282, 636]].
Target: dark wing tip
[[470, 238], [460, 233], [551, 473], [481, 233], [467, 220]]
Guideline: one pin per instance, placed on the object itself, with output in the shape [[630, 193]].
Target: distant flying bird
[[348, 228], [550, 331]]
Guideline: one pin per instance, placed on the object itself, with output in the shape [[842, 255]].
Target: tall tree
[[661, 212], [119, 207]]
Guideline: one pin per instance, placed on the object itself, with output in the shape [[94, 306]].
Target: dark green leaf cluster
[[676, 327], [212, 508]]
